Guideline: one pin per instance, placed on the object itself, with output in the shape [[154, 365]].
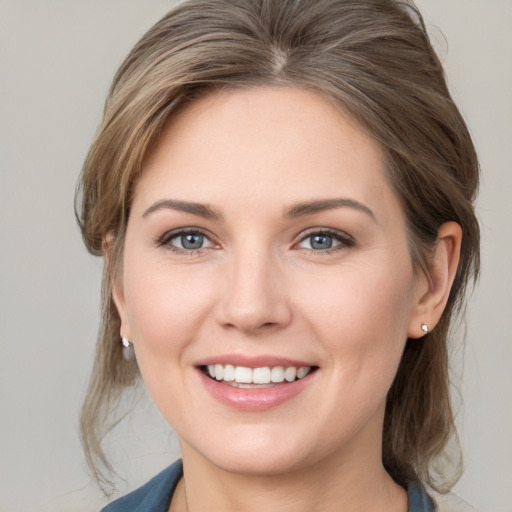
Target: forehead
[[260, 144]]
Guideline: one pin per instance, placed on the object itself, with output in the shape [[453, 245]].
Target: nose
[[254, 298]]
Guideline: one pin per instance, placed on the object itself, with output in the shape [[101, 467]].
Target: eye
[[186, 241], [325, 241]]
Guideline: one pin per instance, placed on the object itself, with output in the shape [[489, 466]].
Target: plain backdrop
[[56, 62]]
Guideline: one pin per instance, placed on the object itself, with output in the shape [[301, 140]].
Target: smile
[[255, 385], [245, 377]]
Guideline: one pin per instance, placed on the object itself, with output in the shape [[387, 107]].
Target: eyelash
[[165, 240], [345, 240]]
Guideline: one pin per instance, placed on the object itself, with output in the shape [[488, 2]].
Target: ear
[[432, 291], [116, 286]]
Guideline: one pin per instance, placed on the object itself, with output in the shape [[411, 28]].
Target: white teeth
[[277, 374], [229, 373], [290, 373], [243, 375], [263, 375], [302, 372]]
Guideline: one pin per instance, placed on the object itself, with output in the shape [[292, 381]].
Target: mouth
[[244, 377], [255, 383]]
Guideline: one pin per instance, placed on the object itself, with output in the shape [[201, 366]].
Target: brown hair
[[371, 56]]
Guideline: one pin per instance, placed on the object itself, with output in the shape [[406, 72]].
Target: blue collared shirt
[[156, 495]]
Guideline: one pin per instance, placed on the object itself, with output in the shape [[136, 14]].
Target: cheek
[[165, 306], [361, 318]]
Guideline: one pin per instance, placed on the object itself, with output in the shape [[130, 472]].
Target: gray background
[[56, 61]]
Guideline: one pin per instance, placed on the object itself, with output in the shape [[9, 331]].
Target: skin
[[257, 287]]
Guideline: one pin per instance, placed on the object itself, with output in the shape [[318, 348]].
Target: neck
[[352, 484]]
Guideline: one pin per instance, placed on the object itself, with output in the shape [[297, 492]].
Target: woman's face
[[263, 241]]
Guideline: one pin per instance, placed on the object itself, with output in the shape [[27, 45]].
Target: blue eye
[[325, 241], [191, 241], [187, 241], [320, 242]]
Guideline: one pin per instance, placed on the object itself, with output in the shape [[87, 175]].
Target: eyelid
[[164, 240], [344, 238]]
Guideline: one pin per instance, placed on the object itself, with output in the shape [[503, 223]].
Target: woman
[[282, 191]]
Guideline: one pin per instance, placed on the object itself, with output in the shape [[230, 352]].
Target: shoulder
[[419, 500], [154, 496]]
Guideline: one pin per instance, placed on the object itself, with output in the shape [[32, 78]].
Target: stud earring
[[424, 328], [128, 352]]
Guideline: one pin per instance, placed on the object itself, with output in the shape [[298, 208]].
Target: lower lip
[[257, 399]]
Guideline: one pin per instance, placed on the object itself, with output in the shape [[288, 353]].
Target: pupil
[[192, 241], [321, 242]]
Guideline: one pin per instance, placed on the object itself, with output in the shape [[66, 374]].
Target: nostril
[[251, 327]]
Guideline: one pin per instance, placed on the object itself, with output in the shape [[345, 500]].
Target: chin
[[255, 454], [260, 464]]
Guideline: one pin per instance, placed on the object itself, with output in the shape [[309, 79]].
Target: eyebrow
[[202, 210], [311, 207], [296, 210]]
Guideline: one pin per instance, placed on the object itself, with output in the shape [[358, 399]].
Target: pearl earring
[[424, 328], [128, 352]]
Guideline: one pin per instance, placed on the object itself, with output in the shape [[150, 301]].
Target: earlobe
[[116, 287], [434, 289], [119, 301]]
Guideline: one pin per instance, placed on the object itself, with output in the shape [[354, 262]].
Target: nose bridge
[[254, 296]]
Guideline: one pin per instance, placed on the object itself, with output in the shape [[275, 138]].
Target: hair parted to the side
[[374, 58]]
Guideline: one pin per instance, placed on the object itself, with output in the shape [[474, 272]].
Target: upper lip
[[261, 361]]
